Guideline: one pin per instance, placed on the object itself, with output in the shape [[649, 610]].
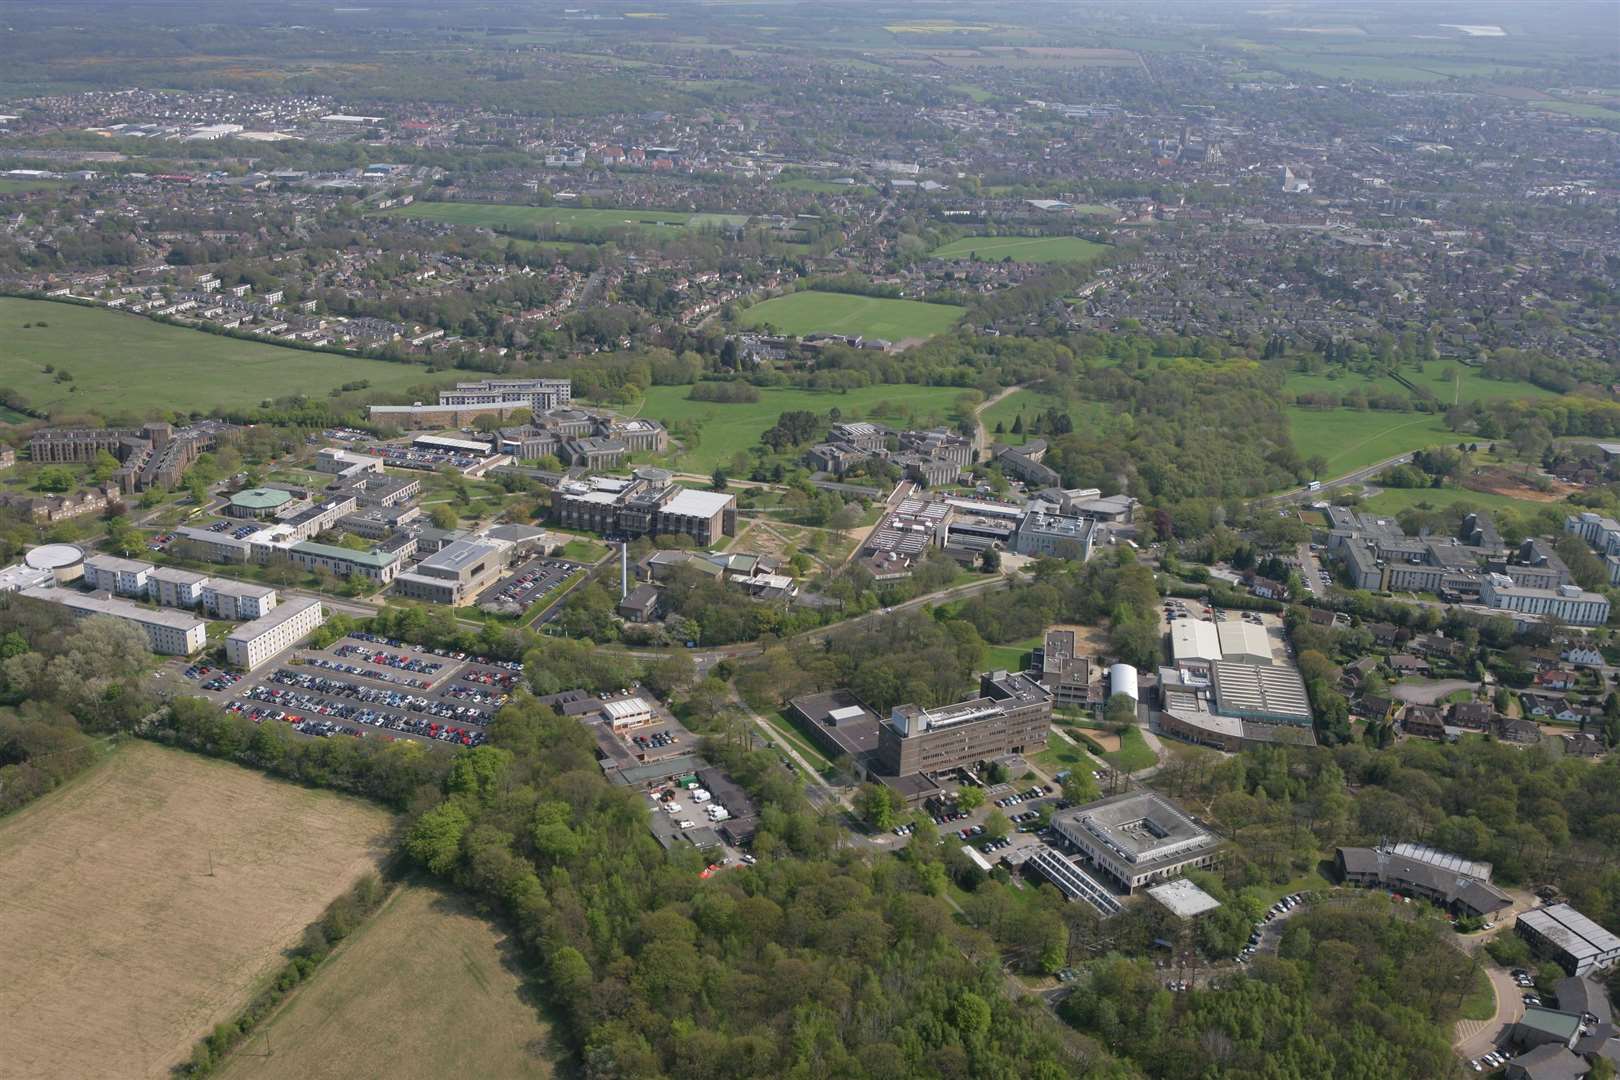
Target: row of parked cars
[[448, 654], [1493, 1060], [656, 741], [354, 669], [322, 729], [1281, 907], [286, 699], [1032, 793], [504, 680], [398, 661], [320, 684]]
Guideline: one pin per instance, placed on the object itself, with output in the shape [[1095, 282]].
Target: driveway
[[1429, 692], [1478, 1037]]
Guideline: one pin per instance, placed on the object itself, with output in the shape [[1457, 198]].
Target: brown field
[[1504, 482], [426, 989], [145, 902]]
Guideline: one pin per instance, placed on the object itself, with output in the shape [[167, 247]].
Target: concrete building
[[153, 455], [176, 588], [841, 725], [377, 564], [455, 574], [239, 600], [1066, 676], [121, 577], [466, 402], [261, 503], [1576, 942], [1011, 715], [646, 504], [170, 633], [341, 462], [251, 644], [1569, 603], [1256, 692], [1052, 537], [1137, 839]]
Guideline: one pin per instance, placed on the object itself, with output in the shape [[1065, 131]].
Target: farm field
[[811, 312], [731, 429], [505, 216], [125, 362], [1039, 249], [1450, 383], [426, 954], [1350, 439], [145, 900]]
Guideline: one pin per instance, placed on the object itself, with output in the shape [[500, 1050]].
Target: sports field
[[1038, 249], [144, 902], [1391, 501], [811, 312], [1449, 382], [504, 216], [1350, 439], [125, 362], [426, 988], [728, 429]]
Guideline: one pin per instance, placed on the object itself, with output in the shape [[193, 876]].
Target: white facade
[[170, 633], [1569, 603], [175, 588], [238, 599], [253, 643], [122, 577]]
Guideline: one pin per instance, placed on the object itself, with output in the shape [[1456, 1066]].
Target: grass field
[[504, 216], [125, 362], [1032, 403], [1133, 752], [1350, 439], [1014, 656], [1040, 249], [1391, 501], [1582, 109], [811, 312], [821, 187], [1451, 383], [729, 429], [144, 902], [9, 187], [426, 988]]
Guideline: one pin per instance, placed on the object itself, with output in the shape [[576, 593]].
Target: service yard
[[528, 584], [435, 986], [143, 903]]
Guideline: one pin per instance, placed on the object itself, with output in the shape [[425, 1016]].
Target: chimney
[[624, 570]]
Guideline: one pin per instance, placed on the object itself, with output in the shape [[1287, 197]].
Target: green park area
[[115, 361], [811, 312], [726, 429], [1029, 404], [1391, 501], [1584, 110], [500, 216], [1350, 439], [1039, 249], [1451, 383]]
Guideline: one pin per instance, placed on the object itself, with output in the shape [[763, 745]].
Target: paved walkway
[[1431, 691]]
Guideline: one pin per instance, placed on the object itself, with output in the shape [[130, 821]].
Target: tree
[[124, 537], [435, 839], [969, 799], [990, 560], [996, 825], [55, 478], [1120, 712], [718, 479], [443, 517], [876, 806]]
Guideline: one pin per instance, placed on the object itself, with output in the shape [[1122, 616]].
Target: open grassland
[[11, 187], [726, 430], [1037, 249], [1391, 501], [144, 902], [426, 988], [1582, 109], [1350, 439], [1451, 383], [812, 312], [1032, 403], [503, 216], [126, 362]]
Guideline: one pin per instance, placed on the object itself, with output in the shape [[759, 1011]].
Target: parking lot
[[528, 584], [364, 686]]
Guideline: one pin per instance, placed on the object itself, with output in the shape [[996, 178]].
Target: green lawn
[[1060, 755], [8, 187], [1349, 439], [1041, 249], [812, 312], [1031, 403], [725, 430], [1013, 657], [504, 216], [820, 187], [1581, 109], [1450, 382], [1133, 753], [585, 551], [1391, 501], [126, 362]]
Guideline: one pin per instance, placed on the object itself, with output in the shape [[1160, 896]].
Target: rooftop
[[101, 604], [699, 504], [379, 560], [1140, 827], [261, 498], [1571, 931], [1183, 898], [278, 615]]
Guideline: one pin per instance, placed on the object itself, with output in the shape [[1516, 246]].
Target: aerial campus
[[819, 540]]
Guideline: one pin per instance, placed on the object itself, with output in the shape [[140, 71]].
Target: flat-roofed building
[[121, 577], [169, 632], [342, 462], [1271, 694], [840, 724], [1183, 899], [1052, 537], [376, 565], [1244, 642], [627, 710], [215, 547], [645, 504], [1067, 677], [240, 600], [1138, 838], [455, 574], [1569, 603], [251, 644], [1194, 647], [1011, 715], [1576, 942], [173, 587]]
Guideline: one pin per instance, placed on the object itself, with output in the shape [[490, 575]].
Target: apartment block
[[253, 643]]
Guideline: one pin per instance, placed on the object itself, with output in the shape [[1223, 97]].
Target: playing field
[[1450, 383], [1391, 501], [565, 218], [1350, 439], [144, 903], [1038, 249], [427, 988], [812, 312], [125, 362], [727, 429]]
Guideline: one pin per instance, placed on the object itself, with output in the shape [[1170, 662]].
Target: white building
[[1569, 603], [176, 588], [122, 577], [238, 599], [251, 644], [172, 633]]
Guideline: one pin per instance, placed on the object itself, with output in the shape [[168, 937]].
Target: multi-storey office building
[[1011, 715], [251, 644]]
